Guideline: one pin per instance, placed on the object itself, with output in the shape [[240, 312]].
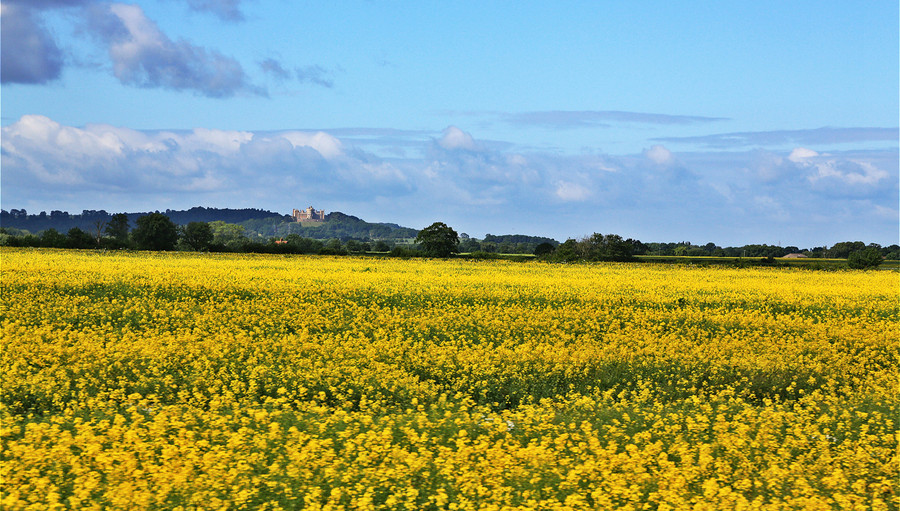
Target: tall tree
[[78, 238], [155, 232], [438, 240], [198, 235], [117, 227]]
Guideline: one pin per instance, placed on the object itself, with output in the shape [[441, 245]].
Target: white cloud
[[659, 155], [218, 141], [848, 172], [801, 154], [38, 133], [455, 138], [571, 192], [143, 56], [326, 145]]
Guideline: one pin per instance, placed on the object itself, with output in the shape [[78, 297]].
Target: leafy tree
[[300, 245], [869, 257], [845, 248], [354, 246], [544, 249], [228, 235], [438, 240], [77, 238], [155, 232], [333, 247], [53, 238], [610, 247], [568, 251], [469, 245], [197, 235], [381, 246], [117, 227], [891, 252]]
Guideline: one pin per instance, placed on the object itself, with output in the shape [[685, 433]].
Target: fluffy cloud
[[797, 197], [659, 155], [325, 144], [571, 192], [455, 138], [38, 151], [801, 154], [143, 56], [140, 53], [28, 54]]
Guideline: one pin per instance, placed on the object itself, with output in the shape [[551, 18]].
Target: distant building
[[795, 255], [309, 215]]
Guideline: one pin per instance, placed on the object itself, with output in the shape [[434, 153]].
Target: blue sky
[[731, 122]]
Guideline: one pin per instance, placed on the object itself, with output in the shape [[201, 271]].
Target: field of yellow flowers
[[203, 381]]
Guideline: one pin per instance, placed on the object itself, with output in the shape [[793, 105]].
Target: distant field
[[151, 381]]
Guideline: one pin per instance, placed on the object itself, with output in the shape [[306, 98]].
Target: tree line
[[157, 231], [256, 223]]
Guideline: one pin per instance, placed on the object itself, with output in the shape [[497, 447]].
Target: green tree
[[53, 238], [865, 259], [333, 247], [197, 235], [228, 235], [353, 246], [845, 248], [155, 232], [77, 238], [117, 227], [544, 249], [438, 240], [568, 251]]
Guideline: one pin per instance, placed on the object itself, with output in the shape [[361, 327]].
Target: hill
[[89, 219], [256, 223]]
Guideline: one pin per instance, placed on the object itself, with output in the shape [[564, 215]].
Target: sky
[[728, 122]]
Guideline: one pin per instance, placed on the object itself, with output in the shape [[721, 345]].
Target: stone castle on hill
[[309, 215]]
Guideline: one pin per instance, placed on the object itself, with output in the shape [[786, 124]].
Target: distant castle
[[309, 215]]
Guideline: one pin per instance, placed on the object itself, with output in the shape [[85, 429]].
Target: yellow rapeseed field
[[203, 381]]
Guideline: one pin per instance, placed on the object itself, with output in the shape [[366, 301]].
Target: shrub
[[865, 259]]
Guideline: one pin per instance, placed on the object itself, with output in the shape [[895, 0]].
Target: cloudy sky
[[732, 122]]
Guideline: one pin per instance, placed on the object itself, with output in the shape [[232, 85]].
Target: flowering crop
[[201, 381]]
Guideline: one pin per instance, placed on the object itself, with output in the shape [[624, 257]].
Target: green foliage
[[438, 240], [333, 247], [544, 249], [865, 259], [53, 238], [198, 235], [597, 247], [228, 236], [155, 232], [845, 248], [76, 238], [117, 227]]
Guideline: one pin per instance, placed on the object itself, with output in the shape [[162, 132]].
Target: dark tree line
[[349, 234], [62, 221], [254, 221]]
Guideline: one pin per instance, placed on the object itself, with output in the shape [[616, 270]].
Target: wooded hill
[[257, 223]]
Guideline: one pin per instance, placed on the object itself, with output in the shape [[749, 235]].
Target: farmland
[[144, 381]]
